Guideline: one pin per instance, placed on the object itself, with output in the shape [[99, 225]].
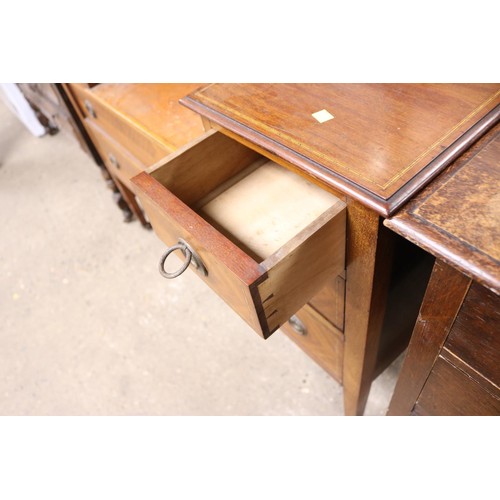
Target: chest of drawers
[[133, 126]]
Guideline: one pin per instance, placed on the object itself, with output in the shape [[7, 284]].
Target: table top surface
[[155, 108], [378, 143], [457, 217]]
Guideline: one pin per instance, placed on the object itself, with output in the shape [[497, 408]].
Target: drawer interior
[[254, 202]]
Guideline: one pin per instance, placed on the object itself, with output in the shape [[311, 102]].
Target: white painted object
[[18, 104]]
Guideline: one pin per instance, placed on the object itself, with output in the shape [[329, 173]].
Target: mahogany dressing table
[[341, 284]]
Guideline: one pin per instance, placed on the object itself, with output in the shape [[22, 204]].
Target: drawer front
[[318, 339], [265, 291], [449, 391], [330, 301], [141, 144], [475, 335], [118, 161]]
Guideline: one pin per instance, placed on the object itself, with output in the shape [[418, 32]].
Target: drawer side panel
[[302, 267]]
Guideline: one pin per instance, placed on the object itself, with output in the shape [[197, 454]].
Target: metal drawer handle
[[113, 160], [297, 325], [191, 258], [89, 108]]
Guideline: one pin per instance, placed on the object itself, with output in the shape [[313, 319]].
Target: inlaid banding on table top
[[457, 217], [325, 159]]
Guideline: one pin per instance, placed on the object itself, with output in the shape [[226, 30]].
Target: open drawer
[[262, 237]]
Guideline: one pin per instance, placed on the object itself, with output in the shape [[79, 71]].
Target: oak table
[[452, 366]]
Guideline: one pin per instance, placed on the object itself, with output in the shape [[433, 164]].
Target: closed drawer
[[475, 336], [449, 392], [120, 163], [141, 144], [268, 239], [318, 339], [330, 301]]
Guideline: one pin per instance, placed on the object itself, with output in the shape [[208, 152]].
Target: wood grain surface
[[384, 142], [126, 166], [145, 118], [322, 341], [230, 271], [272, 287], [145, 147], [451, 392], [437, 315], [475, 337], [155, 108], [457, 218], [301, 267], [198, 168], [330, 301], [369, 259]]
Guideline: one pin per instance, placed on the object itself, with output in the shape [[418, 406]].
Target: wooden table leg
[[369, 258], [444, 296], [131, 201]]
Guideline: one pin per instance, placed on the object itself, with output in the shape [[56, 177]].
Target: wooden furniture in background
[[452, 366], [134, 125], [373, 147], [56, 110]]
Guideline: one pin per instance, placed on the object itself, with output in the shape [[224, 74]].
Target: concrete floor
[[89, 327]]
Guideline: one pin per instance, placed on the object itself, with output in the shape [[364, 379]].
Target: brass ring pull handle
[[191, 258]]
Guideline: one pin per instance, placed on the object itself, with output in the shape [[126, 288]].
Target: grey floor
[[89, 327]]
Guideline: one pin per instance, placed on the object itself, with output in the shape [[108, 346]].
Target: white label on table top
[[323, 116]]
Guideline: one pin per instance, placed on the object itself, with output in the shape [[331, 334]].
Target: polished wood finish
[[146, 118], [73, 108], [155, 108], [321, 341], [436, 317], [116, 158], [231, 271], [385, 142], [367, 283], [142, 145], [457, 218], [299, 269], [450, 392], [201, 166], [265, 290], [330, 301], [362, 157], [131, 201], [144, 123]]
